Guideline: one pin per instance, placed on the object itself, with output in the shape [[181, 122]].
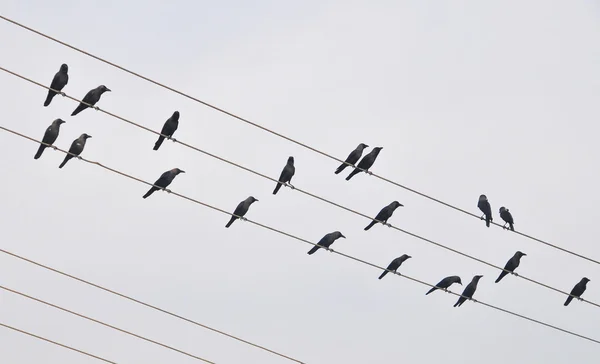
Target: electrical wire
[[290, 139], [304, 240], [429, 241], [105, 324]]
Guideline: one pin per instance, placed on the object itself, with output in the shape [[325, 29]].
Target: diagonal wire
[[429, 241], [105, 324], [290, 139], [307, 242]]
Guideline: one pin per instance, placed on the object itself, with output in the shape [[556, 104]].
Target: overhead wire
[[304, 240], [289, 138], [105, 324], [417, 236]]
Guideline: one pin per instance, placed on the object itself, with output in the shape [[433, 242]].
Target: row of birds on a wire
[[61, 79]]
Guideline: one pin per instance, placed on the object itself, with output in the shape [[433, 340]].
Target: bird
[[76, 148], [50, 137], [241, 209], [326, 241], [164, 180], [365, 163], [445, 283], [578, 290], [511, 265], [91, 98], [286, 174], [60, 80], [507, 217], [168, 129], [384, 214], [485, 207], [395, 264], [468, 292], [352, 157]]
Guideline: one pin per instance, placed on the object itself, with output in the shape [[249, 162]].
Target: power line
[[57, 343], [298, 239], [429, 241], [105, 324], [289, 138]]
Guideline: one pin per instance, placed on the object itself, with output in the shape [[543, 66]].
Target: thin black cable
[[291, 139], [299, 239]]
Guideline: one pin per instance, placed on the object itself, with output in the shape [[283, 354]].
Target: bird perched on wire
[[50, 136], [60, 80], [468, 292], [76, 148], [507, 217], [365, 163], [286, 175], [241, 209], [485, 207], [91, 98], [164, 181], [578, 290], [384, 214], [326, 241], [395, 264], [511, 265], [168, 129], [445, 283], [352, 157]]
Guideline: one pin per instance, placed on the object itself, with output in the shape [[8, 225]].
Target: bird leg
[[62, 94], [173, 140], [515, 274], [242, 218], [167, 190], [368, 172], [579, 298], [387, 224], [96, 108], [290, 185], [54, 147], [481, 218], [445, 290]]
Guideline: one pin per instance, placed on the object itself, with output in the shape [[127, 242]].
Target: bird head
[[291, 160], [86, 136], [104, 89], [175, 115], [483, 198], [363, 146], [177, 171], [339, 235], [520, 254], [396, 204], [584, 279], [502, 209], [252, 199], [459, 281], [377, 149], [477, 278], [64, 68], [405, 256], [59, 121]]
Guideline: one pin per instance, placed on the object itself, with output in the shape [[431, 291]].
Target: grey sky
[[466, 98]]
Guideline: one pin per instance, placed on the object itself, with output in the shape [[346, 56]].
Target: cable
[[105, 324], [299, 239], [302, 191], [290, 139], [56, 343]]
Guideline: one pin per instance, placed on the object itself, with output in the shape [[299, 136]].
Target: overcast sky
[[466, 98]]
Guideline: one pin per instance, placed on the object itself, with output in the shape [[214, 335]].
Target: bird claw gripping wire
[[173, 140], [330, 250], [243, 218], [474, 300], [96, 108], [167, 190], [515, 274], [446, 290], [62, 94], [369, 172], [290, 185], [387, 224], [79, 157], [54, 147]]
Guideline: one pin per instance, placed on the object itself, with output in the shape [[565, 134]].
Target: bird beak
[[255, 200], [180, 171], [524, 254], [342, 236], [401, 205], [107, 89], [89, 136], [408, 256], [459, 283]]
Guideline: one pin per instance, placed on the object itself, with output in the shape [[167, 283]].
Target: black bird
[[164, 180], [49, 136], [241, 209], [385, 214], [507, 217], [326, 241], [485, 207], [60, 80], [168, 129], [468, 292], [92, 97], [445, 283], [395, 264], [352, 157], [365, 163], [578, 290], [511, 265], [286, 174], [76, 148]]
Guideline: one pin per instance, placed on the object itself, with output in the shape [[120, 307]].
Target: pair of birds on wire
[[484, 205]]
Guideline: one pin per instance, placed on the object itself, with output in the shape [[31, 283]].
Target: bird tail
[[383, 274], [341, 168], [371, 225], [159, 142], [39, 151], [458, 303], [488, 219], [279, 184], [79, 109], [352, 174], [501, 276], [431, 290], [512, 226], [569, 299], [230, 221], [67, 157], [150, 191], [49, 98], [313, 250]]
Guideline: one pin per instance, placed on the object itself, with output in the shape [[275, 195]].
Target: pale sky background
[[466, 97]]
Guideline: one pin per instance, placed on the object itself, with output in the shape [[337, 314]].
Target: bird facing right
[[365, 163], [511, 265], [286, 175], [241, 209], [468, 292], [326, 241], [395, 264], [60, 80], [352, 157], [76, 148], [164, 181], [91, 98], [507, 217], [50, 136], [384, 214], [578, 290], [168, 129]]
